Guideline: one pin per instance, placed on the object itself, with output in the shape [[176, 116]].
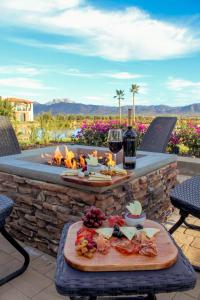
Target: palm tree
[[134, 90], [120, 96]]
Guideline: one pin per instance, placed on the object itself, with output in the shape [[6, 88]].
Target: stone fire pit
[[44, 202]]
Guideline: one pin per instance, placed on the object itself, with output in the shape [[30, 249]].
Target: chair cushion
[[6, 205], [186, 196]]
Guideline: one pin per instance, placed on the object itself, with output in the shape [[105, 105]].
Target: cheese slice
[[150, 232], [135, 208], [106, 232], [100, 177], [129, 232]]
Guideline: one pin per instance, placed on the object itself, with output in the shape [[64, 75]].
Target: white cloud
[[39, 6], [186, 91], [178, 84], [109, 74], [76, 73], [24, 83], [122, 75], [29, 71], [116, 35]]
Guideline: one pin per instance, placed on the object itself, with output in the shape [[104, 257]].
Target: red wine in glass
[[115, 146], [115, 141]]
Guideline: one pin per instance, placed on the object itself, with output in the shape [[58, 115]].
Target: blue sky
[[84, 50]]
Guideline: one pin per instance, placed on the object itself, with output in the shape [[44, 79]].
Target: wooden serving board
[[86, 182], [115, 261]]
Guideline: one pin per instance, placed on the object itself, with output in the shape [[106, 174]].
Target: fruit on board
[[86, 247], [86, 233], [135, 208], [93, 217], [116, 220]]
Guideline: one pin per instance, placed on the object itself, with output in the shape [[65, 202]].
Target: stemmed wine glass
[[115, 141]]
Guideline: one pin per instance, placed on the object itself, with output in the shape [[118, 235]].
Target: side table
[[73, 283]]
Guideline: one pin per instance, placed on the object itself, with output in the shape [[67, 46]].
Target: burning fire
[[72, 161]]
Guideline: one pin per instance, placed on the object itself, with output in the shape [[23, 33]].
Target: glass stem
[[115, 158]]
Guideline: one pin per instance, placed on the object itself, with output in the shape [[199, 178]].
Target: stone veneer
[[42, 208]]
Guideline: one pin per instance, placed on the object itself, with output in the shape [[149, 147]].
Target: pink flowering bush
[[188, 135], [96, 133]]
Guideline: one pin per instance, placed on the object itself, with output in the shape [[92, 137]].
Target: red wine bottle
[[129, 145]]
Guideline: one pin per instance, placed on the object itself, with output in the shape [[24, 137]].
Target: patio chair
[[8, 141], [186, 197], [158, 134], [6, 205]]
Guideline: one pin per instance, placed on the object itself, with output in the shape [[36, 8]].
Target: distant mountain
[[65, 106], [58, 100]]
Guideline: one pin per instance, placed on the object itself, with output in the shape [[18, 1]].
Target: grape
[[93, 217]]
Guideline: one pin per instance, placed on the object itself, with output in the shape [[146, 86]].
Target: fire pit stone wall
[[43, 208]]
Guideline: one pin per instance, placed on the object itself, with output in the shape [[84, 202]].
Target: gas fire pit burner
[[76, 159]]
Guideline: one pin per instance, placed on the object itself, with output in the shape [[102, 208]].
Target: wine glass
[[115, 141]]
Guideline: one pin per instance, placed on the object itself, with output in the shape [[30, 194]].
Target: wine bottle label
[[129, 159]]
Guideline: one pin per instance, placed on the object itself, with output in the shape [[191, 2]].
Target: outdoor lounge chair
[[8, 141], [158, 134], [6, 205], [186, 197]]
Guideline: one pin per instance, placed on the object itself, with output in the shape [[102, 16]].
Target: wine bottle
[[129, 145]]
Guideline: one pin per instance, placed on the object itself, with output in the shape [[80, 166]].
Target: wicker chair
[[158, 134], [186, 197], [8, 141], [6, 205]]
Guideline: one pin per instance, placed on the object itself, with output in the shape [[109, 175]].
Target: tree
[[119, 96], [6, 108], [134, 90]]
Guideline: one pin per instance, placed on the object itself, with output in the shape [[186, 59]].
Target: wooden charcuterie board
[[84, 181], [115, 261]]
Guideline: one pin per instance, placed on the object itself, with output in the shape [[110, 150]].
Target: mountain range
[[66, 106]]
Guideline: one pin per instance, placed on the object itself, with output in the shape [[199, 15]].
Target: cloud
[[29, 71], [76, 73], [24, 83], [119, 35], [177, 84], [122, 75], [109, 74], [186, 91], [39, 6]]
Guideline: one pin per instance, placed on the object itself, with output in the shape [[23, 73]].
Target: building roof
[[19, 100]]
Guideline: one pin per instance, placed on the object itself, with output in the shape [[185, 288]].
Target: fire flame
[[58, 156], [110, 161], [71, 161]]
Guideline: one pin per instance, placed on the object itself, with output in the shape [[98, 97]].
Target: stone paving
[[37, 283]]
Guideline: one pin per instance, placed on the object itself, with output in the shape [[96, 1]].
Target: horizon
[[83, 50], [74, 102]]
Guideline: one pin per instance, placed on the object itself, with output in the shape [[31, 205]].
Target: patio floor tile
[[49, 293], [33, 253], [9, 267], [45, 264], [31, 282], [13, 294], [4, 258], [5, 246]]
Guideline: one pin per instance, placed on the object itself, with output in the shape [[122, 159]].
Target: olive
[[138, 227]]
